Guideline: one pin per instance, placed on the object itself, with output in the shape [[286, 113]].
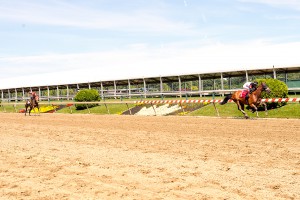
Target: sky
[[44, 42]]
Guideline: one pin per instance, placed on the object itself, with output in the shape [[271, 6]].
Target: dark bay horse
[[253, 101], [31, 104]]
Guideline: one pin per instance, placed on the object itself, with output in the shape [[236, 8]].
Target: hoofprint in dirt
[[57, 156]]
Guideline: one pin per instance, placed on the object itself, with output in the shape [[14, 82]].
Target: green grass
[[17, 108], [291, 110], [101, 109]]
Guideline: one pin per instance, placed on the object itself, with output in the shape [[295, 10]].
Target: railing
[[180, 102], [68, 104], [142, 94]]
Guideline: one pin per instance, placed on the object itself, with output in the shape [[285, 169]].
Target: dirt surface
[[58, 156]]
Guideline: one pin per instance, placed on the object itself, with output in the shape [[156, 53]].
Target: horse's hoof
[[246, 117]]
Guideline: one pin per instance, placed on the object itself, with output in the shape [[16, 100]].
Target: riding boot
[[246, 98]]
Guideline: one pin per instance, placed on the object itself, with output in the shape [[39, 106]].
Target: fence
[[215, 101], [152, 102]]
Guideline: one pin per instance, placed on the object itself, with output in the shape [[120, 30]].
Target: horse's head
[[265, 88]]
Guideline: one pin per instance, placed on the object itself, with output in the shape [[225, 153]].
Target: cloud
[[292, 4], [284, 17], [71, 15], [143, 61], [204, 19], [185, 3]]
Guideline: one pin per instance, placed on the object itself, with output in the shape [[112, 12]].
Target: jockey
[[33, 96], [249, 87]]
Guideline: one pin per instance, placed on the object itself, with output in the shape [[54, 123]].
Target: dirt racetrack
[[58, 156]]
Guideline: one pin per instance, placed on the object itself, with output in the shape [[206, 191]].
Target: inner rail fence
[[270, 100], [142, 95], [151, 102]]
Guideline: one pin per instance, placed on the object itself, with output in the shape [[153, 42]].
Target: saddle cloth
[[243, 93]]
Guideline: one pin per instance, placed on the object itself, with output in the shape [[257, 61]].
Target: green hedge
[[86, 95], [278, 90]]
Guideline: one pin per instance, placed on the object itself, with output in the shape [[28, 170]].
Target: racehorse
[[31, 104], [253, 101]]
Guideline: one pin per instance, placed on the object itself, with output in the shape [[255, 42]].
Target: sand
[[64, 156]]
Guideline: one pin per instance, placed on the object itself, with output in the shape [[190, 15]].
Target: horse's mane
[[261, 86]]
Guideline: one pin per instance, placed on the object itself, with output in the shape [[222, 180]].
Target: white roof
[[81, 76]]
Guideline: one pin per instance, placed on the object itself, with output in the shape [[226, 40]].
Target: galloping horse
[[31, 104], [253, 101]]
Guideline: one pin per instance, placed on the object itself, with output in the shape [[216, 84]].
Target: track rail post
[[153, 108], [4, 110], [71, 111], [216, 109], [181, 107], [128, 109], [88, 108], [107, 108], [15, 107]]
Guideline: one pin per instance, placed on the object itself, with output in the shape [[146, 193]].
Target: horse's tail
[[226, 99]]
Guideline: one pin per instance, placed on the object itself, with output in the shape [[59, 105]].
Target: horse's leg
[[266, 109], [38, 107], [33, 109], [255, 109], [243, 111], [26, 109], [30, 108], [241, 108]]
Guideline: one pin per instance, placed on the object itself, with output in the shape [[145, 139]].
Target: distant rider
[[33, 96]]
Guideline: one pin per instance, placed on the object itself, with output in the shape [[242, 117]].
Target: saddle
[[243, 93], [33, 100]]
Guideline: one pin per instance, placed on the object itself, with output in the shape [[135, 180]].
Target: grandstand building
[[181, 85]]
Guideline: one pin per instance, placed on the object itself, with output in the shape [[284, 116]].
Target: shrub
[[86, 95], [278, 90]]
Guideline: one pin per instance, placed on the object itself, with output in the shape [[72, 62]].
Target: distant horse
[[31, 104], [253, 101]]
